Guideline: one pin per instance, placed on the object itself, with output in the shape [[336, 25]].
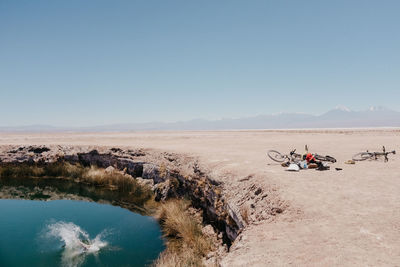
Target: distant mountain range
[[340, 117]]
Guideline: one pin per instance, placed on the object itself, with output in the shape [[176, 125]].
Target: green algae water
[[75, 233]]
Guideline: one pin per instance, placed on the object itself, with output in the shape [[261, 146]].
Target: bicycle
[[295, 157], [373, 155]]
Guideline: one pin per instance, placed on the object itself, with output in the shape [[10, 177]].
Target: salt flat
[[347, 218]]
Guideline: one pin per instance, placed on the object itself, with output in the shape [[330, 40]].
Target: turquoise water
[[75, 233]]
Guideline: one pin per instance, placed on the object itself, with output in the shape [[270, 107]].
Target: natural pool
[[75, 233]]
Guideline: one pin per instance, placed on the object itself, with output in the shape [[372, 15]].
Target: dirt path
[[349, 217]]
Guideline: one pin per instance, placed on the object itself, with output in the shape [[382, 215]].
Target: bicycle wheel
[[362, 156], [331, 159], [325, 158], [276, 156]]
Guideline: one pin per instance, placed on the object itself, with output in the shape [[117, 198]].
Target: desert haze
[[340, 117]]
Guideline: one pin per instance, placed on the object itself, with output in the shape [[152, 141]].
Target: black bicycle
[[373, 155], [295, 157]]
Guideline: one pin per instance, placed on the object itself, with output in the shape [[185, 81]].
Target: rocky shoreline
[[169, 175]]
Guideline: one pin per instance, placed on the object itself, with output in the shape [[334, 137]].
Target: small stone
[[276, 210], [258, 191]]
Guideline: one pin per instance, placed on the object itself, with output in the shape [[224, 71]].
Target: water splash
[[77, 243]]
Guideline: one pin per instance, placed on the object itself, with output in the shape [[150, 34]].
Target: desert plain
[[349, 217]]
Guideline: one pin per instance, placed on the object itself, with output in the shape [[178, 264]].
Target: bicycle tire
[[276, 156], [331, 159], [362, 156], [325, 158]]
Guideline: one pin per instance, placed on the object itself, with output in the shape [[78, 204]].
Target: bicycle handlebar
[[383, 153]]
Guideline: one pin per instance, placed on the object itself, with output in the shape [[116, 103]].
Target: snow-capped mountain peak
[[377, 108], [342, 108]]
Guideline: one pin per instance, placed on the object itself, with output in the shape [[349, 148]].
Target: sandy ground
[[335, 218]]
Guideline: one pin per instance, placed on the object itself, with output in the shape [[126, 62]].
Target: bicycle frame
[[384, 153]]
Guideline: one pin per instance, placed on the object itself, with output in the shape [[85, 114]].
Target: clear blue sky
[[74, 63]]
